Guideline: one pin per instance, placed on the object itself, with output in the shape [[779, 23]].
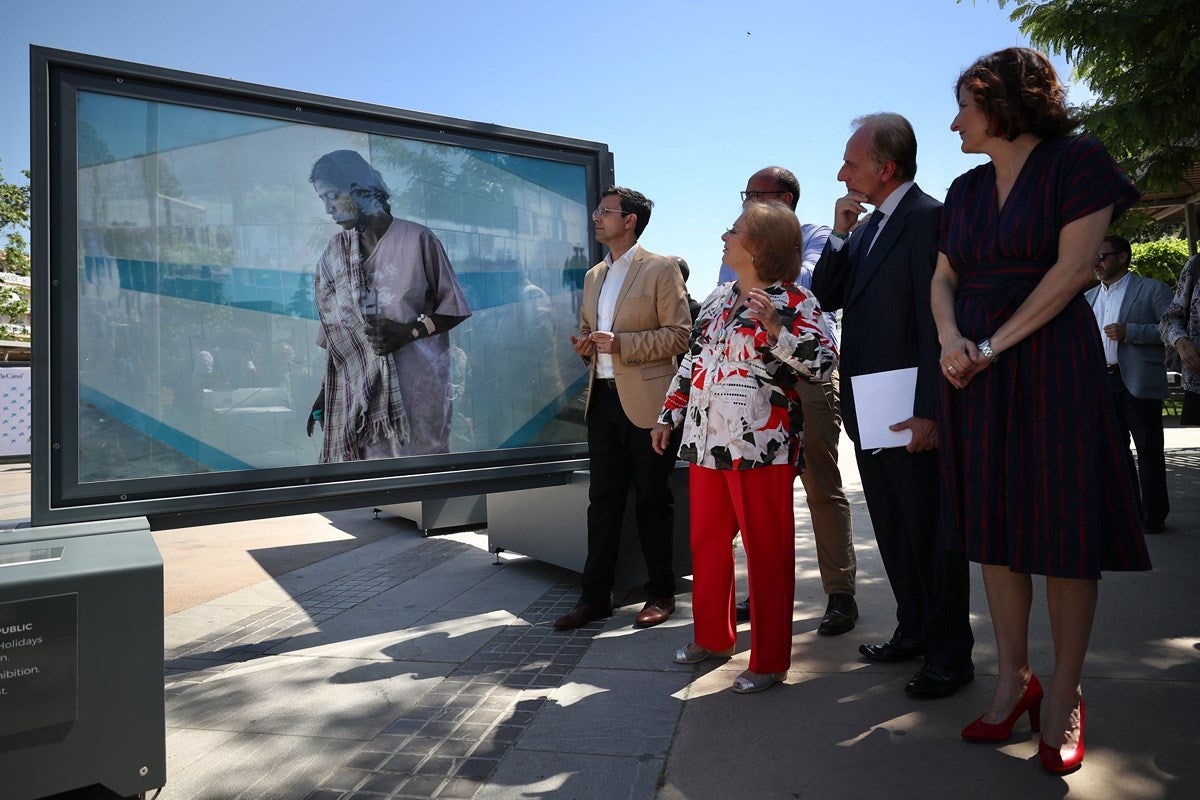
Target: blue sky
[[692, 96]]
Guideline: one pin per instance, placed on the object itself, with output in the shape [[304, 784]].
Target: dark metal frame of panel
[[57, 494]]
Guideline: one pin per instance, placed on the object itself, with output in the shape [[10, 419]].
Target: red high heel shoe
[[1031, 701], [1061, 760]]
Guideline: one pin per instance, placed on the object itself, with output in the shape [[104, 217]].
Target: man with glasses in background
[[1128, 309], [827, 504], [633, 325]]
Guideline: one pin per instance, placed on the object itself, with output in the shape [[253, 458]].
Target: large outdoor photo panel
[[250, 289]]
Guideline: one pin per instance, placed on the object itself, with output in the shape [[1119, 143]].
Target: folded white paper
[[882, 399]]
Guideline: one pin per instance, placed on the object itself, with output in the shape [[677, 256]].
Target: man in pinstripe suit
[[879, 276]]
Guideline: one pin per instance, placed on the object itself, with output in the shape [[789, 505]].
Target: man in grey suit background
[[880, 276], [1128, 309]]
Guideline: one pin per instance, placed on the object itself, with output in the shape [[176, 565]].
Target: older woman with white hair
[[754, 339]]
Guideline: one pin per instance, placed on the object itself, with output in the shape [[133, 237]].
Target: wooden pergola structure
[[1180, 204]]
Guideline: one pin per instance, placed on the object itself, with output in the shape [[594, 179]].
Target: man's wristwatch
[[985, 349]]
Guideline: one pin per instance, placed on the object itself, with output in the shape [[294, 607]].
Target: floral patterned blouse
[[735, 392], [1182, 319]]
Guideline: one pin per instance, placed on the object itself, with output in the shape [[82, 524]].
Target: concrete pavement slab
[[340, 698], [249, 766], [609, 712], [200, 621], [400, 635], [469, 581], [621, 646], [247, 552], [851, 734], [523, 775], [513, 586]]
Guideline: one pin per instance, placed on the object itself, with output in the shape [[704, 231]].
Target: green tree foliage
[[1142, 60], [1162, 259], [14, 305], [14, 217]]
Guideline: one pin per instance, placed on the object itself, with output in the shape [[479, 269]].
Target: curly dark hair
[[1019, 91]]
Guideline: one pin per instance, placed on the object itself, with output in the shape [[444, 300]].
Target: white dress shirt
[[606, 307], [1108, 310]]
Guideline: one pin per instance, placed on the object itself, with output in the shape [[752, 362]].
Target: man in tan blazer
[[634, 323]]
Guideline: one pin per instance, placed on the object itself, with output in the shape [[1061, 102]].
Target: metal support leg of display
[[443, 513], [550, 524]]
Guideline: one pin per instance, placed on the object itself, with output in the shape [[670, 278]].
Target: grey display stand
[[550, 524], [81, 659], [443, 512]]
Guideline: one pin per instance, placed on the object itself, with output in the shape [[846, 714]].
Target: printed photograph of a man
[[387, 296]]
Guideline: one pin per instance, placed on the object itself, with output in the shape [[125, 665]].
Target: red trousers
[[758, 502]]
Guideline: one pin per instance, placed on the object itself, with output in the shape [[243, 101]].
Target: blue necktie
[[872, 228]]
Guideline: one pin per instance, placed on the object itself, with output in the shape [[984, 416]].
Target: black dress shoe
[[743, 610], [1156, 525], [581, 615], [840, 615], [893, 650], [933, 681]]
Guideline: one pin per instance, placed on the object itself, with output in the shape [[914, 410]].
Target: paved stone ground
[[451, 741], [413, 667]]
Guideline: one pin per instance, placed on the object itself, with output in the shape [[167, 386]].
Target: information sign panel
[[39, 663]]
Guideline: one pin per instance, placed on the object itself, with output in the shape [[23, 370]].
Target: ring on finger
[[950, 368]]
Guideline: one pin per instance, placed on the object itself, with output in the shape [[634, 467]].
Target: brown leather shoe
[[656, 611], [581, 615]]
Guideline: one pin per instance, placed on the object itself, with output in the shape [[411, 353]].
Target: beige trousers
[[822, 481]]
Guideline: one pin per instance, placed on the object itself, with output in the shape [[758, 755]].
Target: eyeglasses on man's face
[[604, 211], [754, 195], [1101, 256]]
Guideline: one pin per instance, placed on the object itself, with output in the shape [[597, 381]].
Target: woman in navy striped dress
[[1033, 480]]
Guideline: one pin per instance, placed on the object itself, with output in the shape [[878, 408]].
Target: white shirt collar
[[888, 206], [1117, 284], [624, 261]]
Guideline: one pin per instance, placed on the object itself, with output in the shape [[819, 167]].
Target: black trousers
[[1142, 421], [620, 457], [1190, 415], [932, 585]]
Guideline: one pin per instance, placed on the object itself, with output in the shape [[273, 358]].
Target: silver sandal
[[694, 654], [750, 682]]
